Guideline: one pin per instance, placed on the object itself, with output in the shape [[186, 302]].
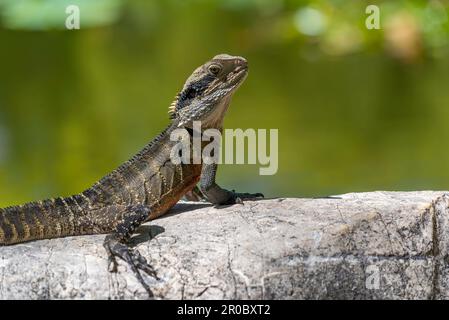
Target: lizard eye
[[214, 69]]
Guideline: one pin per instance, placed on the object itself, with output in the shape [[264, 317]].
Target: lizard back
[[149, 178]]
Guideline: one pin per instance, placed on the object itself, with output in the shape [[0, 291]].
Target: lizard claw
[[238, 198], [134, 259]]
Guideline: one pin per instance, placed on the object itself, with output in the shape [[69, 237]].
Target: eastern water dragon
[[146, 186]]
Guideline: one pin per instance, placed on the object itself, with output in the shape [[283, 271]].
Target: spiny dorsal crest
[[172, 107]]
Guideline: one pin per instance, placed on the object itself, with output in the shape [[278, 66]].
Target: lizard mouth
[[238, 75]]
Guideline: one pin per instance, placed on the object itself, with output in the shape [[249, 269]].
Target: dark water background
[[356, 109]]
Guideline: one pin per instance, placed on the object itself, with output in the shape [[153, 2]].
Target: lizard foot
[[239, 197], [135, 260]]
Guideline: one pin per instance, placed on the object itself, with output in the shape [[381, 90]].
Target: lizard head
[[207, 92]]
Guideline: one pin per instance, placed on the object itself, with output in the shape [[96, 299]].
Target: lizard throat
[[216, 117]]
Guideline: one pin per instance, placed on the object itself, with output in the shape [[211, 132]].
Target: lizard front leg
[[217, 195], [117, 245]]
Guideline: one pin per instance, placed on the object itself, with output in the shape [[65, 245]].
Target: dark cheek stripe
[[193, 90]]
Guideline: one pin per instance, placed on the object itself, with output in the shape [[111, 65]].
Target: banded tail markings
[[45, 217], [2, 236], [61, 223], [54, 228], [2, 233], [9, 231], [66, 214], [23, 221], [5, 229], [35, 220], [76, 212]]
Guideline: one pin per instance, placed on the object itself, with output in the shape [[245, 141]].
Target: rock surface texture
[[376, 245]]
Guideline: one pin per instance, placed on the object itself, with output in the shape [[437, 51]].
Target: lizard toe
[[133, 258]]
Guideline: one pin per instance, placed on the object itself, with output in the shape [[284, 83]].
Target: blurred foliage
[[51, 14], [356, 109]]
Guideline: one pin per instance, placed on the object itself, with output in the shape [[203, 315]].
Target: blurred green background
[[356, 109]]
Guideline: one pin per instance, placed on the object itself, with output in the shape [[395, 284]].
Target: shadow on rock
[[146, 233]]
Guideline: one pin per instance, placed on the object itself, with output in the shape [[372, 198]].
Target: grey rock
[[375, 245]]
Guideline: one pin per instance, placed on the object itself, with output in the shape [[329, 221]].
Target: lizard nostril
[[241, 62]]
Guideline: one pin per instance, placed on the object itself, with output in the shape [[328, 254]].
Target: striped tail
[[46, 219]]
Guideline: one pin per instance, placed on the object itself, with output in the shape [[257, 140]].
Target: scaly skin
[[146, 186], [149, 179]]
